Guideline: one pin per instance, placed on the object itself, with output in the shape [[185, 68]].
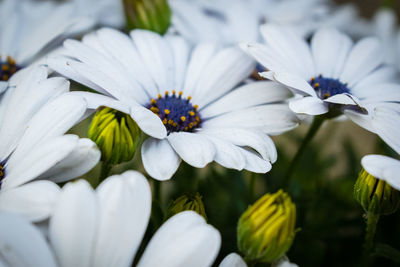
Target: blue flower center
[[327, 87], [176, 113], [8, 68]]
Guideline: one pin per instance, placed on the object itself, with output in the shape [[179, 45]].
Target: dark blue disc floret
[[176, 113], [7, 68], [327, 87]]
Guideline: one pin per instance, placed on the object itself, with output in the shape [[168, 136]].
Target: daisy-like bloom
[[228, 22], [332, 76], [383, 168], [105, 228], [184, 98], [30, 29], [35, 113]]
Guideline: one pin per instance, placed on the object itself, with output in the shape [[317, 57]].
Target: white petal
[[124, 211], [256, 140], [365, 56], [81, 160], [295, 83], [330, 49], [73, 225], [255, 163], [38, 161], [181, 53], [225, 70], [193, 148], [200, 57], [95, 101], [248, 95], [386, 124], [364, 121], [233, 260], [184, 240], [384, 168], [148, 122], [159, 159], [271, 119], [21, 244], [308, 105], [343, 99], [287, 44], [157, 57], [52, 120], [227, 154], [35, 201]]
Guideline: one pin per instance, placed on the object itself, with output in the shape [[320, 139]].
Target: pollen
[[176, 113]]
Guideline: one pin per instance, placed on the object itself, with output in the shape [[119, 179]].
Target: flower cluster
[[203, 89]]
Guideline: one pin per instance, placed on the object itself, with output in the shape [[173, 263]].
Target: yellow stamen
[[183, 118], [167, 111]]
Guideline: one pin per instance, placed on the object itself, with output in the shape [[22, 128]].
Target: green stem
[[252, 186], [105, 171], [372, 221], [316, 124]]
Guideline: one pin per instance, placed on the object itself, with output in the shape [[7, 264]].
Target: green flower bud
[[266, 229], [115, 133], [187, 202], [153, 15], [375, 195]]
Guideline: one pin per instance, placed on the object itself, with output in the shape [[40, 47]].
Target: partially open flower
[[375, 195], [116, 134], [267, 228], [187, 202]]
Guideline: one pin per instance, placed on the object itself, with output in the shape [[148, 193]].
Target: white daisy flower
[[383, 168], [30, 29], [105, 228], [34, 115], [185, 99], [222, 21], [333, 75], [228, 22]]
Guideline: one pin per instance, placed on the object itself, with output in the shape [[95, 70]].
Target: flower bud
[[153, 15], [115, 133], [266, 229], [187, 202], [375, 195]]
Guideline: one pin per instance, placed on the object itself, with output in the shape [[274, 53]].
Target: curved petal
[[81, 160], [193, 148], [384, 168], [21, 244], [295, 83], [35, 201], [386, 124], [184, 240], [308, 105], [73, 225], [148, 122], [159, 159], [255, 163], [124, 211], [38, 161]]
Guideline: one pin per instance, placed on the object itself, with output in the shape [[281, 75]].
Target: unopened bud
[[116, 135], [375, 195], [153, 15], [266, 230], [187, 202]]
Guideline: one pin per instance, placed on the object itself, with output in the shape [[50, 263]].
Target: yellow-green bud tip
[[266, 229], [375, 195], [116, 135], [153, 15], [187, 202]]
